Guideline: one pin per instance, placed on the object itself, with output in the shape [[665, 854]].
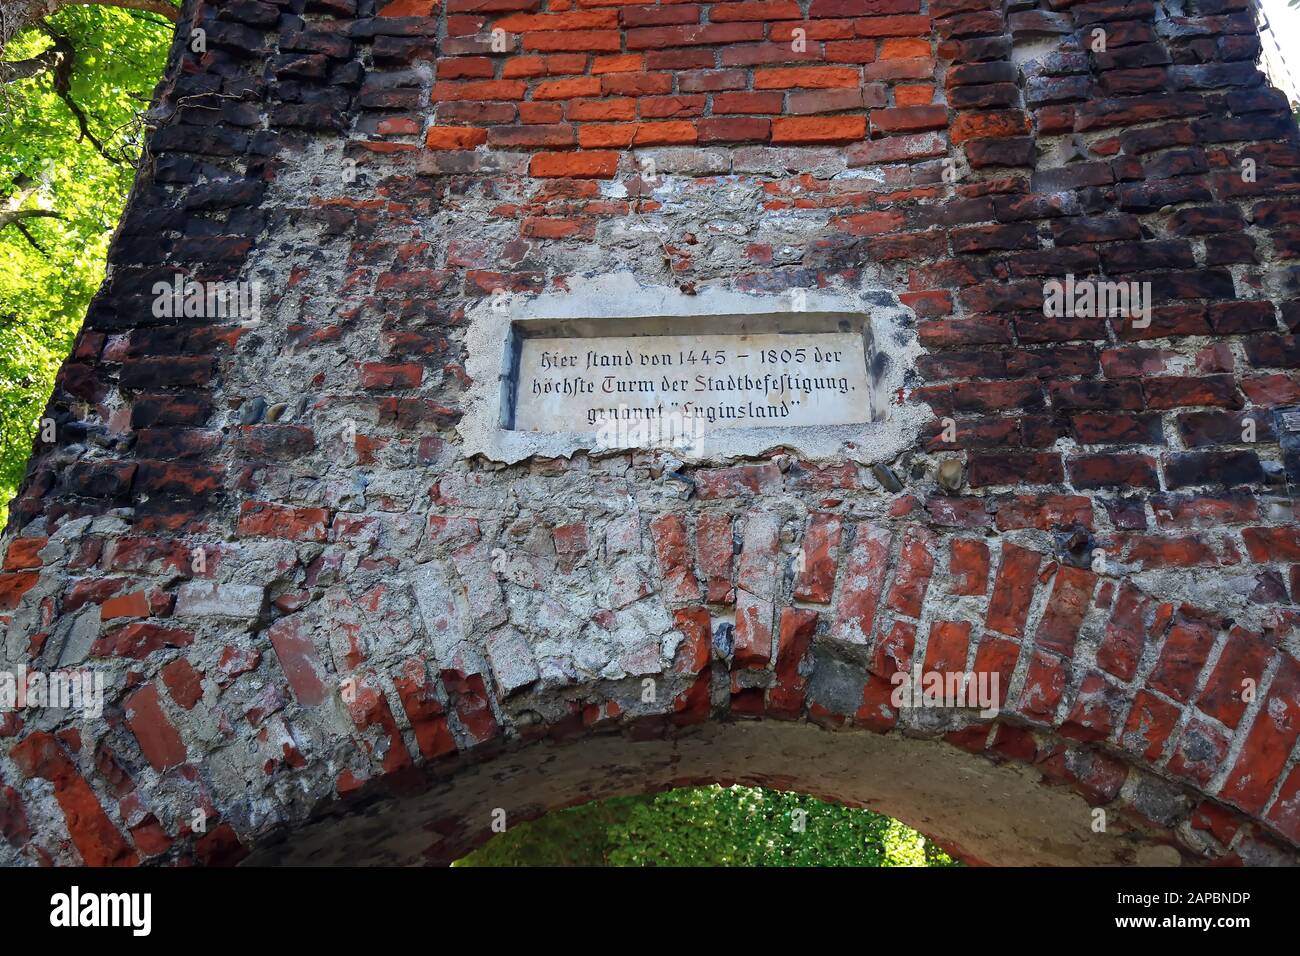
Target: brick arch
[[1154, 731], [266, 539]]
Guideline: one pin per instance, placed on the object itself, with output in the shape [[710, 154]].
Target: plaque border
[[618, 304]]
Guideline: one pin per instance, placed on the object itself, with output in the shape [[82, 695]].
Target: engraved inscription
[[705, 381]]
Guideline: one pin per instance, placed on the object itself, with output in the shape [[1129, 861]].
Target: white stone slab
[[868, 333], [650, 383]]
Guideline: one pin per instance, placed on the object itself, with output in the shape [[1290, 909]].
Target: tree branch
[[18, 15], [8, 216], [11, 210], [62, 77], [26, 69], [31, 240]]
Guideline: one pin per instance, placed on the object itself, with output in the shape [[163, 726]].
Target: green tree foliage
[[710, 826], [75, 89]]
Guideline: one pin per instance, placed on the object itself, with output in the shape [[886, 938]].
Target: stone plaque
[[668, 384], [607, 363]]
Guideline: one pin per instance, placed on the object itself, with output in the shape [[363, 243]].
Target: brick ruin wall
[[266, 538]]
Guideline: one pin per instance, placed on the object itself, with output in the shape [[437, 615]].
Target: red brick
[[579, 41], [666, 107], [571, 538], [572, 20], [733, 129], [1216, 820], [815, 580], [1181, 659], [921, 94], [139, 639], [993, 124], [1135, 619], [1201, 749], [1269, 742], [301, 664], [134, 604], [912, 577], [817, 129], [806, 77], [1066, 607], [1013, 590], [747, 103], [655, 38], [183, 682], [1240, 666], [1273, 544], [1044, 512], [470, 699], [417, 692], [22, 554], [969, 566], [797, 627], [715, 547], [262, 518], [921, 68], [368, 707], [1285, 813], [997, 655], [870, 223], [1093, 715], [904, 49], [947, 648], [14, 586], [636, 84], [449, 68], [1044, 686], [674, 553], [737, 481], [851, 51], [876, 712], [696, 647], [93, 834], [664, 134], [863, 581], [756, 578], [618, 63], [547, 114], [617, 108], [820, 30], [381, 376], [755, 10], [895, 26], [159, 742], [567, 89], [532, 135], [910, 119], [892, 653], [583, 165], [407, 8]]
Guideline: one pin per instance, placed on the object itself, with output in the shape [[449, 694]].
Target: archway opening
[[978, 810], [711, 826]]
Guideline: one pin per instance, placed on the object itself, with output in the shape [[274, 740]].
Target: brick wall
[[301, 594]]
